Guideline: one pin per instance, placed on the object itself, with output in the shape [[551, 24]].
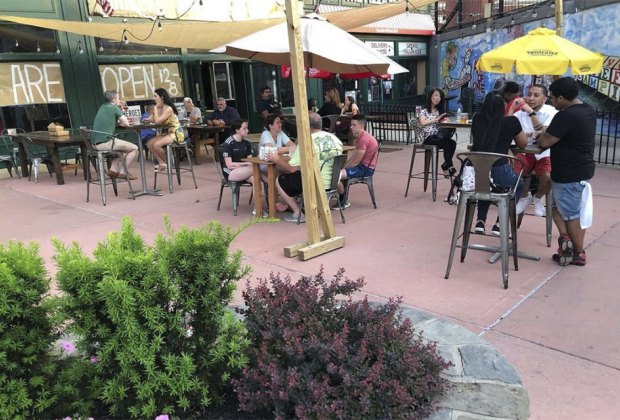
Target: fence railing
[[606, 147]]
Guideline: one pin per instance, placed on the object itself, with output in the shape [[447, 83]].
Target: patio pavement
[[558, 326]]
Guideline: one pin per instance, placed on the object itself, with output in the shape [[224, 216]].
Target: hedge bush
[[152, 323], [314, 356]]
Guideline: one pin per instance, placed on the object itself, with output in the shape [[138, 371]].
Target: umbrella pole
[[559, 13], [315, 200]]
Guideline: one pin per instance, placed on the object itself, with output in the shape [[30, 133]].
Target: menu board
[[137, 82]]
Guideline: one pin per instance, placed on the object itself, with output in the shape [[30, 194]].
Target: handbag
[[468, 178]]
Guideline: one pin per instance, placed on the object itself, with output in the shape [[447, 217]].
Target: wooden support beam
[[315, 201]]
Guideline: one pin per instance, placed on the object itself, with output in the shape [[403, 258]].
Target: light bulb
[[159, 28], [16, 44], [473, 26], [38, 47], [100, 46], [488, 30], [125, 40], [534, 14], [57, 50], [80, 50], [512, 21]]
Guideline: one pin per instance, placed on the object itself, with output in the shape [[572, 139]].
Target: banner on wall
[[136, 82], [31, 83]]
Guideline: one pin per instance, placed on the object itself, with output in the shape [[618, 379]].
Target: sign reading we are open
[[136, 82], [29, 83]]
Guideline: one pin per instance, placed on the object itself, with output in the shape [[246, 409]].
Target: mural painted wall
[[595, 29]]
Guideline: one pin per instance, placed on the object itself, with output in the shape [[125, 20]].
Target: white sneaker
[[524, 202], [539, 208]]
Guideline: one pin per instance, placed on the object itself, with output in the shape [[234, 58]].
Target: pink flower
[[93, 359], [162, 417], [68, 346]]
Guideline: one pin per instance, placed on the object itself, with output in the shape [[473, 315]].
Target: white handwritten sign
[[385, 48], [31, 83], [133, 114], [411, 49], [135, 82]]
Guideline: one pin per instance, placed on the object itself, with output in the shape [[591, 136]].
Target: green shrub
[[152, 322], [313, 356], [27, 331]]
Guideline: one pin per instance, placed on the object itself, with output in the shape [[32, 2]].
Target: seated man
[[534, 115], [289, 185], [190, 112], [147, 133], [106, 120], [223, 115], [265, 105], [363, 160]]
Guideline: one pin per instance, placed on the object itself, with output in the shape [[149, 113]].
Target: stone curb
[[483, 384]]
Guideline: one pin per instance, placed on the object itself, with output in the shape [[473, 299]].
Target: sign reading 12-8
[[136, 82]]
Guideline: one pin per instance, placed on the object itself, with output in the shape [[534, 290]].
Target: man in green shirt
[[289, 185], [104, 126]]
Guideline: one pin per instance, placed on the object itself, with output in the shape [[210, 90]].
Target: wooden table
[[53, 145], [195, 133], [257, 184], [137, 128], [454, 123]]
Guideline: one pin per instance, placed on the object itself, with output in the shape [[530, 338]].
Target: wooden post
[[315, 201], [559, 12]]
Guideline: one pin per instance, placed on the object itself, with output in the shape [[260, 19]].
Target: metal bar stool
[[431, 159], [173, 158]]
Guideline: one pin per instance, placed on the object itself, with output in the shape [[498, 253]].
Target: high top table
[[137, 128]]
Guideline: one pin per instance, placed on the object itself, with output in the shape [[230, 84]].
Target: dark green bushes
[[313, 356], [27, 330], [152, 323]]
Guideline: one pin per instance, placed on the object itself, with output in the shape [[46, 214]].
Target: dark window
[[16, 38]]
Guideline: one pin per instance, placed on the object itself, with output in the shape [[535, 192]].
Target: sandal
[[162, 167]]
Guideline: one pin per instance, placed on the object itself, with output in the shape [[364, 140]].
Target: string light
[[159, 28], [200, 2], [100, 46], [80, 49], [16, 44], [474, 26], [512, 21], [38, 47], [57, 49], [125, 40], [534, 14]]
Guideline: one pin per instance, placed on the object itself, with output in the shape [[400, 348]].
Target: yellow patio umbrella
[[541, 51]]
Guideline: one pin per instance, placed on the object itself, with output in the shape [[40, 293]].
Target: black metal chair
[[100, 160], [329, 122], [11, 159], [484, 190], [235, 187]]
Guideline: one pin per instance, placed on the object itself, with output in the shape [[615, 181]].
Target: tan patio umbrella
[[541, 51], [310, 41]]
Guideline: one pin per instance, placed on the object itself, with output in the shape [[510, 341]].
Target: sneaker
[[579, 258], [495, 229], [479, 227], [346, 205], [523, 203], [265, 213], [539, 208], [293, 219], [565, 251]]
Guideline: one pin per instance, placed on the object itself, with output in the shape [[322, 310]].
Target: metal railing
[[606, 147], [390, 122]]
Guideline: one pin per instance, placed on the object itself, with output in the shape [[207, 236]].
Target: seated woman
[[493, 133], [349, 107], [273, 136], [235, 148], [164, 112], [429, 119]]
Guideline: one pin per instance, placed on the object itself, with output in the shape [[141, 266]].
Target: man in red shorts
[[534, 115]]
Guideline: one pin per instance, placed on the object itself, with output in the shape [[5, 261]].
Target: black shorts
[[291, 183]]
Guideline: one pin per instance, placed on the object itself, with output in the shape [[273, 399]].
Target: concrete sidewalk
[[556, 325]]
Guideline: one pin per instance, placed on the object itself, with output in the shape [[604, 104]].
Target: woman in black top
[[493, 132], [332, 105]]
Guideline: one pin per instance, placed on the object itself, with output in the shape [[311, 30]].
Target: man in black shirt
[[571, 139], [265, 104]]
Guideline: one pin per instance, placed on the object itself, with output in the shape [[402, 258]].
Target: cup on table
[[463, 117]]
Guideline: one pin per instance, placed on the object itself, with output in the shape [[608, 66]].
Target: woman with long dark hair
[[429, 119], [493, 132], [164, 112]]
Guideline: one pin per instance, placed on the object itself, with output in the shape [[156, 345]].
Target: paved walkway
[[558, 326]]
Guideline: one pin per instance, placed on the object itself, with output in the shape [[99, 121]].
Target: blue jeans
[[503, 176], [567, 199]]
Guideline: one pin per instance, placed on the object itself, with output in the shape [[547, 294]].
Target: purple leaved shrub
[[317, 353]]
